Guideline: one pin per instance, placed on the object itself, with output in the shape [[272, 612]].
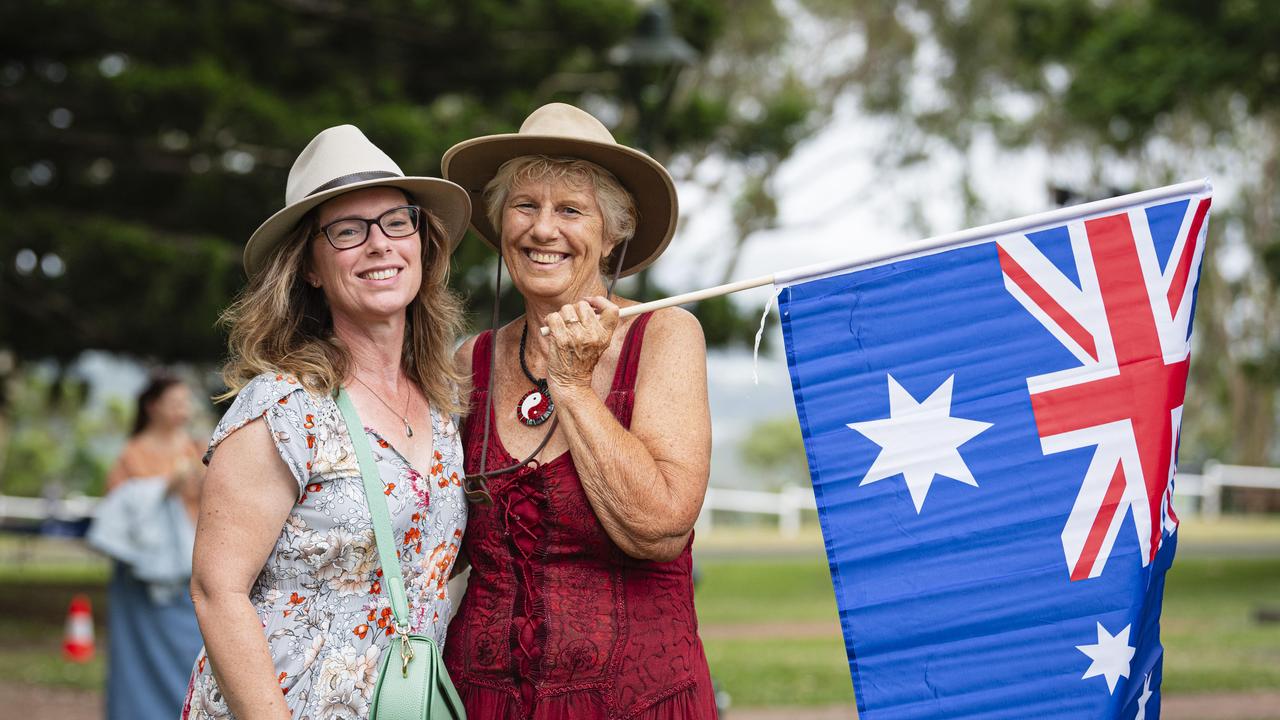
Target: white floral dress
[[324, 612]]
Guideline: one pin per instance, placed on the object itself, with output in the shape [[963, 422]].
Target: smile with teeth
[[383, 274], [545, 258]]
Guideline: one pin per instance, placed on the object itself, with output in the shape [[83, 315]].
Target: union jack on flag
[[1126, 316], [980, 408]]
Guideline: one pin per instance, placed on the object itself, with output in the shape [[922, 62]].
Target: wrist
[[569, 390]]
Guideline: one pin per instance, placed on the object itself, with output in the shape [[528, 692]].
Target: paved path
[[1215, 706], [42, 703]]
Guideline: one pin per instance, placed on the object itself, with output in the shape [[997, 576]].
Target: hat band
[[352, 179]]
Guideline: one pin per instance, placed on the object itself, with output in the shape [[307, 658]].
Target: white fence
[[788, 505], [25, 508]]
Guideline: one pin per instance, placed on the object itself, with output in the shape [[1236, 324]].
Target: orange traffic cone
[[77, 643]]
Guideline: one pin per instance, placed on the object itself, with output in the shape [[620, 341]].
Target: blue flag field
[[991, 423]]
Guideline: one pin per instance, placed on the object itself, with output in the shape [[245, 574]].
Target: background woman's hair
[[617, 207], [157, 384], [280, 323]]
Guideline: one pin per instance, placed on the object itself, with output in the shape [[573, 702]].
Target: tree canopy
[[1140, 93], [145, 140]]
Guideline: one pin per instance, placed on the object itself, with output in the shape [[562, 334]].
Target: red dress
[[557, 622]]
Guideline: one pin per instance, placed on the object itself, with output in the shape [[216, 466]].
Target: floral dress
[[324, 612]]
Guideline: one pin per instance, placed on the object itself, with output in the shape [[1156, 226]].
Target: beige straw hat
[[337, 161], [560, 130]]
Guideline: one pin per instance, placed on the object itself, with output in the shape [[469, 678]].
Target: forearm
[[238, 654], [627, 488]]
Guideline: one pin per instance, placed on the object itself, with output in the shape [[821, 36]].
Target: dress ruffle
[[485, 702]]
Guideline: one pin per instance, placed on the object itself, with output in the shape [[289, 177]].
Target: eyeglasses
[[349, 233]]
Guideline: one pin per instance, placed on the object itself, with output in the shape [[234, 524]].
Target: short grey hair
[[617, 207]]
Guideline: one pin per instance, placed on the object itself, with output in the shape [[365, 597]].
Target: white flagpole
[[689, 297], [1022, 224]]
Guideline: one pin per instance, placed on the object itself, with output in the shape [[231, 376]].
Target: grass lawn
[[1212, 642], [770, 625]]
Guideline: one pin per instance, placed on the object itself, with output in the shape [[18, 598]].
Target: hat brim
[[450, 203], [473, 163]]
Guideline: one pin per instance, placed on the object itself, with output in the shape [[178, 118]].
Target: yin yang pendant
[[535, 407]]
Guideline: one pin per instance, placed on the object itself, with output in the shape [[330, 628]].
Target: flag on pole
[[991, 423]]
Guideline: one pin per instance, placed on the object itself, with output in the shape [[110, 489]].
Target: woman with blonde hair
[[347, 291], [579, 604]]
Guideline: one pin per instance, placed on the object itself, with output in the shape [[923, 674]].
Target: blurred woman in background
[[147, 524]]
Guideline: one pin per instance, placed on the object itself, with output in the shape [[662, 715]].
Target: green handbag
[[412, 681]]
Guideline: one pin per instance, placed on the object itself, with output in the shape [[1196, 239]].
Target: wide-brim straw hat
[[560, 130], [339, 160]]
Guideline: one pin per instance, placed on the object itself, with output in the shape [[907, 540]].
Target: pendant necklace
[[536, 405], [404, 416]]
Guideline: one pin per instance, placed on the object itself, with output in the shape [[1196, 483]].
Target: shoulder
[[463, 356], [300, 423], [268, 391], [673, 353], [674, 327], [279, 394]]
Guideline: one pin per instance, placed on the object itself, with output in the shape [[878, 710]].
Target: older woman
[[580, 600], [347, 289]]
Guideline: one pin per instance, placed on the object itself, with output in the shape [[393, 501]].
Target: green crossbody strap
[[373, 490]]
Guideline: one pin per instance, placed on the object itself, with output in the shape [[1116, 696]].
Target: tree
[[776, 447], [1139, 93], [145, 140]]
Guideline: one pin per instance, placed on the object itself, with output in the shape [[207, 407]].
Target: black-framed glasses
[[348, 233]]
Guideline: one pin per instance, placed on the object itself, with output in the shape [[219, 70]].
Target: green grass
[[779, 590], [1212, 642], [770, 626], [44, 665], [773, 673], [1211, 639]]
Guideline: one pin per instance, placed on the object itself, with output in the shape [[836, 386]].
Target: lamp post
[[649, 64]]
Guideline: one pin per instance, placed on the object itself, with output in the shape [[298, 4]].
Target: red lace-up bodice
[[557, 622]]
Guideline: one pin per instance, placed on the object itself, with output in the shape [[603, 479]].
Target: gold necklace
[[404, 416]]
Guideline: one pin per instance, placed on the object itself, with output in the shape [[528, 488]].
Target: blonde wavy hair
[[617, 207], [280, 323]]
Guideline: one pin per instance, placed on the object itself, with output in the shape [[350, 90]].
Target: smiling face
[[553, 240], [377, 279]]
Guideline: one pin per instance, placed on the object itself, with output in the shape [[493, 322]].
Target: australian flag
[[992, 427]]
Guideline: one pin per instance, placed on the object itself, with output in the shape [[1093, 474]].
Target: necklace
[[404, 416], [536, 405]]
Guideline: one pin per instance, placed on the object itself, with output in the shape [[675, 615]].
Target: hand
[[185, 477], [578, 336]]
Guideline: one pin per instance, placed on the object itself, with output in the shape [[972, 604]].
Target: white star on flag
[[1110, 655], [920, 440], [1144, 699]]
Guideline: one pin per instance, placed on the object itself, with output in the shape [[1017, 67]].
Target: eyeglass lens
[[350, 232]]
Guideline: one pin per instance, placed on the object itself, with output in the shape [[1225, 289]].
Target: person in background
[[153, 491]]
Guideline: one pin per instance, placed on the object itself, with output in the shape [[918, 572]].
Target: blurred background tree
[[145, 140], [1138, 94], [775, 450]]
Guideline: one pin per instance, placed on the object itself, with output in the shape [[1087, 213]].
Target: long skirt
[[152, 648]]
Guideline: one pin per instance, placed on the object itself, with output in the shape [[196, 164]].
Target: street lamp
[[649, 64]]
